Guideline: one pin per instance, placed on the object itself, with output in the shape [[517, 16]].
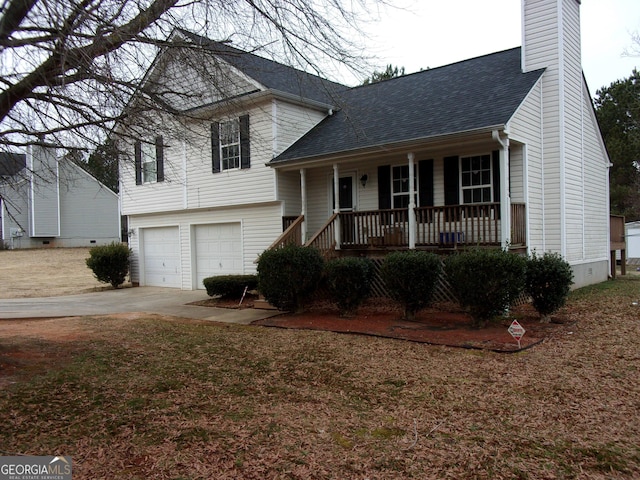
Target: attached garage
[[161, 257], [218, 250]]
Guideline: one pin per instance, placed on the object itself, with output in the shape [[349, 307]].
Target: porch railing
[[292, 234], [325, 239], [445, 226], [518, 224]]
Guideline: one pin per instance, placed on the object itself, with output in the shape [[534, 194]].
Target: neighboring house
[[501, 151], [632, 236], [46, 202]]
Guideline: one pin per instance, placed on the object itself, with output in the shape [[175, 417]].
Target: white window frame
[[149, 162], [405, 181], [471, 179], [229, 133]]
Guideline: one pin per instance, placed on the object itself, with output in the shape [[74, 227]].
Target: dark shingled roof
[[272, 74], [468, 95], [11, 163]]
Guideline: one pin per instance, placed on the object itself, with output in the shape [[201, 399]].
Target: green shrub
[[229, 286], [411, 278], [485, 282], [289, 275], [110, 263], [548, 281], [349, 282]]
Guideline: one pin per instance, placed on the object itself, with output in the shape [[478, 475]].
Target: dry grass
[[162, 398], [45, 272]]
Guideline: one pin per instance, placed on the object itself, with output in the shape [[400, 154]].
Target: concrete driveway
[[163, 301]]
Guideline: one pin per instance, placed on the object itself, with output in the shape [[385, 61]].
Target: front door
[[346, 199], [346, 203]]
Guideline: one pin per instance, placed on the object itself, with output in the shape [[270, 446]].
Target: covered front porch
[[435, 228], [446, 197]]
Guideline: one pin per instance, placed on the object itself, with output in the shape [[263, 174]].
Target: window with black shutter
[[230, 146], [149, 161]]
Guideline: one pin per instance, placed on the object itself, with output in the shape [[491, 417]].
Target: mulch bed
[[445, 325]]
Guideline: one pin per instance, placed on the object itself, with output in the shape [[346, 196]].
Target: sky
[[430, 33]]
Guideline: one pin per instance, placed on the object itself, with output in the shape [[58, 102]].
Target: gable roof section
[[11, 163], [465, 96], [270, 74]]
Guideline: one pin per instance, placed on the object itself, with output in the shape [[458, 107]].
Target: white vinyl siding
[[292, 122], [156, 196], [229, 187], [541, 36], [260, 226], [289, 192], [526, 128], [596, 177], [205, 78]]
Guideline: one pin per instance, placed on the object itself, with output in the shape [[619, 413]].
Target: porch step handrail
[[292, 235], [325, 238]]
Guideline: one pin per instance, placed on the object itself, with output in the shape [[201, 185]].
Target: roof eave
[[387, 147], [254, 97]]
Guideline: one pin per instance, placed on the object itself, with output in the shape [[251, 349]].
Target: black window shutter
[[138, 162], [215, 147], [451, 181], [425, 183], [384, 187], [159, 159], [245, 151], [496, 175]]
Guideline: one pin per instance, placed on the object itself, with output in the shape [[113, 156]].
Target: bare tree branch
[[69, 68], [12, 17]]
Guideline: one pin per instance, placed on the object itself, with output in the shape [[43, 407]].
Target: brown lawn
[[153, 397], [45, 272]]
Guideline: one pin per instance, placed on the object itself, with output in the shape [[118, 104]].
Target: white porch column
[[303, 200], [505, 195], [412, 201], [336, 204]]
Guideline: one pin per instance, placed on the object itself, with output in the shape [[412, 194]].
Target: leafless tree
[[69, 68]]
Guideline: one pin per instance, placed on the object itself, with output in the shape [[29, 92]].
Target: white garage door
[[161, 254], [218, 250]]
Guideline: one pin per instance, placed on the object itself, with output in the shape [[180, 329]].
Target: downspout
[[412, 201], [303, 210], [336, 205], [31, 207], [185, 186], [505, 195]]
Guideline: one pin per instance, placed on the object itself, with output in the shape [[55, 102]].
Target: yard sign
[[516, 330]]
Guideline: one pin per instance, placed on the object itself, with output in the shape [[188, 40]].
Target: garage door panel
[[218, 250], [161, 257]]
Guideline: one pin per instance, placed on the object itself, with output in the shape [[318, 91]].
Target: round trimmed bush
[[411, 278], [548, 282], [349, 282], [110, 263], [485, 281], [288, 276]]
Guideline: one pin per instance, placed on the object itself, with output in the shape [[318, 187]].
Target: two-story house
[[47, 201], [500, 151]]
